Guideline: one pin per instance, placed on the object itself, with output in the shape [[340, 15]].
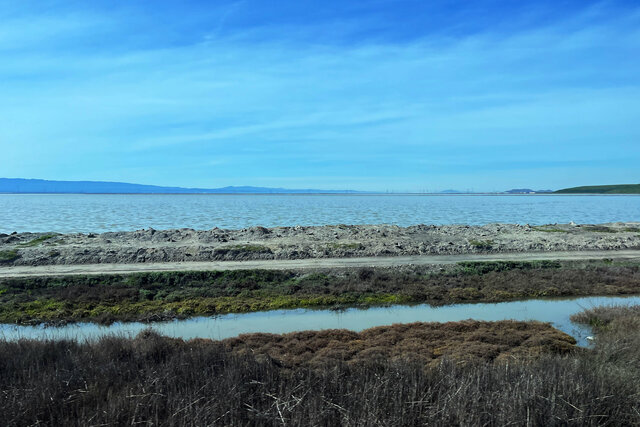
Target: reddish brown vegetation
[[469, 341]]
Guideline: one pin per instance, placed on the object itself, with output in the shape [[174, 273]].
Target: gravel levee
[[332, 241]]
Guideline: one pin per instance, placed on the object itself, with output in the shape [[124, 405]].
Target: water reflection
[[557, 312]]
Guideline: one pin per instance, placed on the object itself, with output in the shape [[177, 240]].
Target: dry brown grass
[[157, 381]]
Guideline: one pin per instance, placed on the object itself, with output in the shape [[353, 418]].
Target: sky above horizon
[[379, 95]]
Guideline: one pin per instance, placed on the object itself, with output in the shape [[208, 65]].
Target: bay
[[71, 213]]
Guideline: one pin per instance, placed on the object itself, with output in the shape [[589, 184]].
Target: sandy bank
[[305, 243]]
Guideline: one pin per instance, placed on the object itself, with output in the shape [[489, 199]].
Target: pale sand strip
[[315, 263]]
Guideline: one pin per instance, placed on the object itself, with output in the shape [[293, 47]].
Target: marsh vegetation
[[166, 295], [9, 255], [153, 380]]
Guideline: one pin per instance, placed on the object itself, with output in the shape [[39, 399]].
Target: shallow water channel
[[556, 311]]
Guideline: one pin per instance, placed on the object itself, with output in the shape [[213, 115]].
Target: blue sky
[[378, 95]]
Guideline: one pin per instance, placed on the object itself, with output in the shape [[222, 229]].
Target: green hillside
[[603, 189]]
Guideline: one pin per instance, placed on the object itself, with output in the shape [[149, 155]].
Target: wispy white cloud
[[281, 93]]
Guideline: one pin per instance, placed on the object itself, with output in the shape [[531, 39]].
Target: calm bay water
[[557, 312], [67, 213]]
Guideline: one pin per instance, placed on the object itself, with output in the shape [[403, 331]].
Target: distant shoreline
[[320, 194], [37, 186], [602, 189], [41, 186]]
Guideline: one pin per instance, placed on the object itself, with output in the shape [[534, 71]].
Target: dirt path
[[317, 263]]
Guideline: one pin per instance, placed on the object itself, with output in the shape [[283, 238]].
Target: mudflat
[[306, 243]]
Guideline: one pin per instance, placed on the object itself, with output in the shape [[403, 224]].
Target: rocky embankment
[[309, 242]]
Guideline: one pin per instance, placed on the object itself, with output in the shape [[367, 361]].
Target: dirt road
[[317, 263]]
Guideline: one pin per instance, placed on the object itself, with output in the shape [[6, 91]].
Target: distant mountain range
[[17, 185]]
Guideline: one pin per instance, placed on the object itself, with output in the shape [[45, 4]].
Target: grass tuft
[[599, 229], [236, 249], [8, 256], [37, 241], [550, 230], [346, 246], [482, 244]]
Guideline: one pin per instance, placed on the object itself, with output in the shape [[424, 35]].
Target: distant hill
[[603, 189], [17, 185], [526, 191]]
